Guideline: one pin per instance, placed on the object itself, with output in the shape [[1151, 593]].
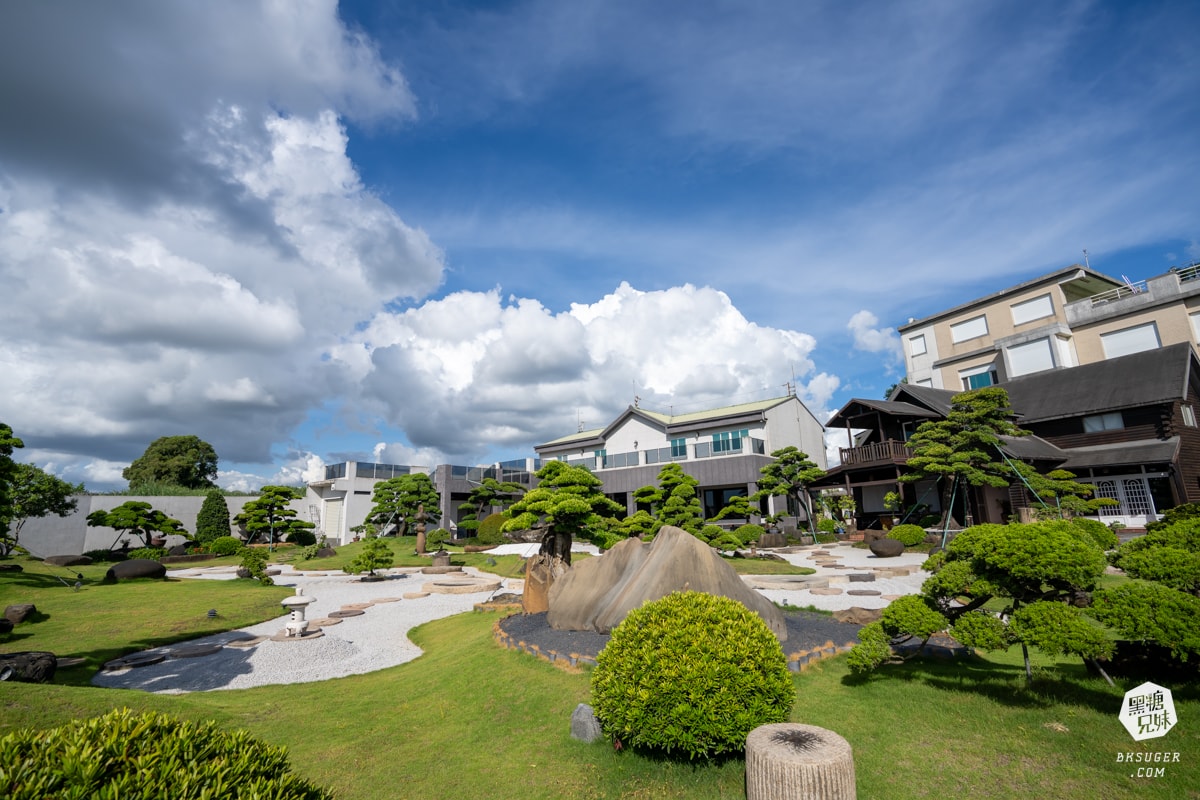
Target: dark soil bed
[[806, 631]]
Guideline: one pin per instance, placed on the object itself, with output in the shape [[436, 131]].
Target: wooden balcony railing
[[890, 450]]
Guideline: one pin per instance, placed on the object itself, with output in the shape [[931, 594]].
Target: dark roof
[[899, 409], [937, 400], [1141, 379], [1033, 448], [1147, 451]]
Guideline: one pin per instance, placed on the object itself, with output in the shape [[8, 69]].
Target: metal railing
[[1121, 292]]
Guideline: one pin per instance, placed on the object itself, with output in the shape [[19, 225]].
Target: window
[[729, 441], [1131, 340], [1195, 318], [927, 382], [1034, 356], [1028, 311], [969, 329], [916, 345], [679, 448], [1103, 422], [1189, 416], [979, 377]]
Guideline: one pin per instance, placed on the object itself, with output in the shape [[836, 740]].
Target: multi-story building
[[723, 448], [1066, 318]]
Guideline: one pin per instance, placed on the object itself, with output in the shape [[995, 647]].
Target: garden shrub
[[153, 553], [1100, 533], [256, 562], [929, 520], [1170, 566], [376, 554], [690, 674], [106, 556], [224, 546], [490, 529], [141, 756], [213, 520], [909, 535], [728, 540], [710, 533], [873, 648], [748, 533], [912, 614], [303, 537], [827, 525], [1152, 612], [436, 538], [1187, 511], [1056, 628]]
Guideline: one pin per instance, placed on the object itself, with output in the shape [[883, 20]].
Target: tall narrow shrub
[[213, 520]]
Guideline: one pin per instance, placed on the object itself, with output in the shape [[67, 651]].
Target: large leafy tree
[[964, 448], [270, 515], [567, 502], [8, 469], [399, 500], [36, 493], [674, 501], [186, 461], [790, 475], [488, 495], [213, 520], [137, 518]]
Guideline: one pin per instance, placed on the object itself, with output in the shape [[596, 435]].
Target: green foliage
[[908, 535], [106, 556], [912, 615], [213, 520], [726, 540], [873, 649], [643, 526], [1037, 561], [34, 493], [436, 538], [1180, 513], [710, 533], [982, 630], [674, 502], [1101, 534], [1154, 613], [691, 674], [1064, 497], [144, 756], [748, 533], [376, 554], [8, 468], [1170, 566], [1055, 628], [224, 546], [568, 501], [186, 461], [491, 530], [488, 495], [827, 525], [789, 475], [929, 520], [255, 561], [270, 517], [152, 553], [137, 518], [399, 500], [303, 537]]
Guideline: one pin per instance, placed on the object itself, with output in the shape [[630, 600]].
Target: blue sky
[[424, 232]]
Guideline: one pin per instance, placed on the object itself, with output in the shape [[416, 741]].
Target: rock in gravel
[[17, 612], [887, 548]]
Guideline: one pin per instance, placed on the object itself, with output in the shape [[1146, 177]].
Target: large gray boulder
[[136, 568], [596, 594], [887, 548], [28, 667]]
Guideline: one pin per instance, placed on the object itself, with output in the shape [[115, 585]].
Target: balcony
[[889, 451], [1170, 287]]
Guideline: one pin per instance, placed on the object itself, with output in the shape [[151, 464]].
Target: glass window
[[1034, 356], [1189, 416], [916, 345], [678, 448], [1095, 423], [969, 329], [1037, 308], [979, 377], [1137, 339]]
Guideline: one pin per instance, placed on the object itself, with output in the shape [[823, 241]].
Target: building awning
[[1147, 451]]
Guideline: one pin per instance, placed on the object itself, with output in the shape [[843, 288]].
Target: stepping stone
[[324, 622], [827, 591], [135, 660], [68, 663], [415, 595], [358, 606], [861, 577], [194, 650], [244, 643], [385, 600], [347, 612], [864, 593], [459, 586]]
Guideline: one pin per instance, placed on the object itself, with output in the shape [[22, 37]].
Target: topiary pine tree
[[569, 503], [137, 518], [213, 520], [675, 500], [399, 499], [790, 475], [376, 554], [35, 493], [270, 517], [489, 495]]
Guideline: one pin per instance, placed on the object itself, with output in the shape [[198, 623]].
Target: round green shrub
[[105, 555], [748, 533], [436, 538], [302, 537], [908, 535], [153, 553], [1101, 533], [827, 525], [224, 546], [690, 674], [123, 754], [929, 520], [489, 529], [710, 533], [727, 540]]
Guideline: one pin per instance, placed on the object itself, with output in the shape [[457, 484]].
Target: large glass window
[[729, 441], [1094, 423], [679, 448]]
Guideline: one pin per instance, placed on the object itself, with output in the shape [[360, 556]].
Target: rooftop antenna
[[1086, 263], [636, 401], [578, 421]]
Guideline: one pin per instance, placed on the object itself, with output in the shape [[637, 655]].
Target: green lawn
[[471, 719]]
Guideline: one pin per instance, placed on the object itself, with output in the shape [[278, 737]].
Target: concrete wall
[[70, 535]]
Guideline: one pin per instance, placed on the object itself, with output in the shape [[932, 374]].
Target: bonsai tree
[[35, 493], [399, 499], [375, 555], [567, 502], [137, 518], [674, 501], [270, 516], [790, 475], [488, 495]]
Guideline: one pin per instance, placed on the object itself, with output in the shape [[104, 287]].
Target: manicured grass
[[470, 719], [766, 566]]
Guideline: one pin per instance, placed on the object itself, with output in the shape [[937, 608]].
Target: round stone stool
[[788, 760]]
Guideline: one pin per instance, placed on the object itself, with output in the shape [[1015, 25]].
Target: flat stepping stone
[[244, 643], [864, 593], [862, 577], [415, 595], [826, 591], [462, 586], [440, 570], [347, 612], [324, 622], [359, 606], [194, 650], [136, 660], [385, 600], [68, 663]]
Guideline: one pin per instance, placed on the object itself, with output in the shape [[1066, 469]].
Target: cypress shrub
[[489, 529], [213, 520]]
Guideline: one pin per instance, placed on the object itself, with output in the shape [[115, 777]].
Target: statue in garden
[[421, 517]]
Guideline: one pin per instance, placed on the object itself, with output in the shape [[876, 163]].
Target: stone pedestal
[[789, 760]]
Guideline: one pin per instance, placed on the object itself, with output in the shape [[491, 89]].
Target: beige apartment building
[[1063, 319]]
